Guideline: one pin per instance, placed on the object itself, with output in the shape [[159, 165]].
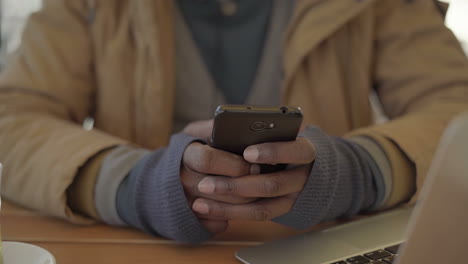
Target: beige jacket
[[113, 60]]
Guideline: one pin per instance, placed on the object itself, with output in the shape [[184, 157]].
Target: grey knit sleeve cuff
[[382, 172], [340, 183], [152, 197], [114, 169]]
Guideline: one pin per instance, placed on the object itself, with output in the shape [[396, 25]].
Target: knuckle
[[261, 213], [187, 156], [230, 187], [272, 153], [275, 152], [271, 187], [192, 152], [205, 159]]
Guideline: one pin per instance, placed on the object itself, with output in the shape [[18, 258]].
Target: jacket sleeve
[[46, 91], [421, 78]]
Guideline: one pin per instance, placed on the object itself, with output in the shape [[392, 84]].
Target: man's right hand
[[200, 160]]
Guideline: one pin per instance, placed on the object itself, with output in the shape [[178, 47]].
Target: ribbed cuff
[[381, 168], [158, 199], [114, 169], [339, 184]]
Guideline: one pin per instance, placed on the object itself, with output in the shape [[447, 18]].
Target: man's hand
[[200, 129], [201, 160], [279, 189]]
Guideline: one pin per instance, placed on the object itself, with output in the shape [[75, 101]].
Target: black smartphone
[[238, 126]]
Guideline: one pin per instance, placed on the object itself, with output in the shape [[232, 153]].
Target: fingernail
[[207, 185], [200, 207], [251, 154], [254, 169]]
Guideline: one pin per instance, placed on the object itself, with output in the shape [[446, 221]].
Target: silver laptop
[[435, 231]]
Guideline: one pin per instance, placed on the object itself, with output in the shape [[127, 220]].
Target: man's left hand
[[278, 191]]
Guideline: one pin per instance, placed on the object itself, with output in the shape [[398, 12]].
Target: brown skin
[[222, 186]]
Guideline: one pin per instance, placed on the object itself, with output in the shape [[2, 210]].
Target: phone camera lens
[[258, 126], [284, 110]]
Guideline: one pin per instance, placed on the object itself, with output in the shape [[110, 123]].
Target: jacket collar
[[312, 22]]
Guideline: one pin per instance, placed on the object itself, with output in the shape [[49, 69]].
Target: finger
[[209, 217], [292, 196], [232, 199], [215, 226], [263, 185], [262, 210], [300, 151], [205, 159], [190, 181], [201, 129]]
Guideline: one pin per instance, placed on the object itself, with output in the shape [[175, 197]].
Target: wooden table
[[104, 244]]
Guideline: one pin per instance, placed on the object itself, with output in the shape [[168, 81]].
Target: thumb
[[200, 129]]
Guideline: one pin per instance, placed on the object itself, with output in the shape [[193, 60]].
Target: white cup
[[22, 253]]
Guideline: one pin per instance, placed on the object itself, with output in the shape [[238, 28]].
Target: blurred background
[[457, 20], [13, 14]]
